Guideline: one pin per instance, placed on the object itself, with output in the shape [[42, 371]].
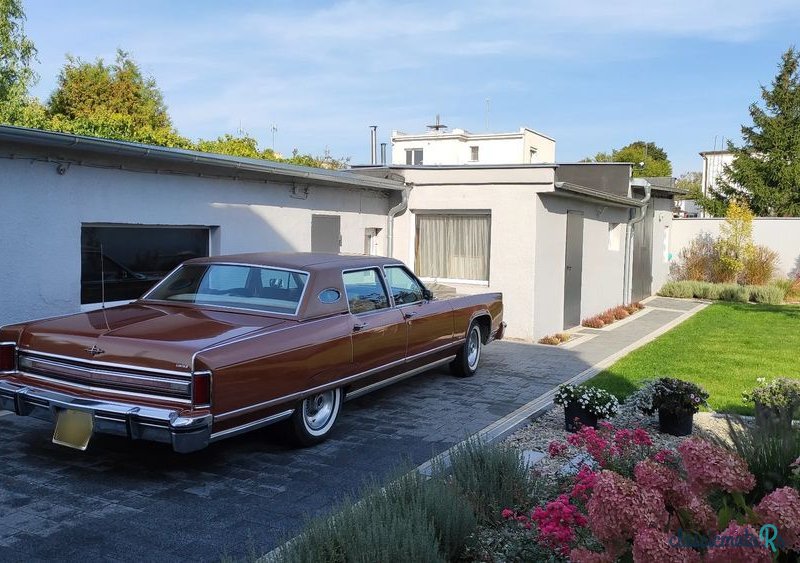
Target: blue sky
[[593, 75]]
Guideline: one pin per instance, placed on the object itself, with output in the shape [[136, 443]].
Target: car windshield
[[227, 285]]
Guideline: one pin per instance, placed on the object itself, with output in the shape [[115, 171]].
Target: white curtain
[[453, 246]]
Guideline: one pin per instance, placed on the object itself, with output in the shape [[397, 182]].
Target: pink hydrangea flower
[[664, 456], [507, 513], [732, 553], [710, 467], [619, 508], [583, 555], [556, 448], [557, 521], [782, 508], [654, 545], [584, 483]]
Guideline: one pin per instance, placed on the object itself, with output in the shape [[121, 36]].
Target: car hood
[[141, 334]]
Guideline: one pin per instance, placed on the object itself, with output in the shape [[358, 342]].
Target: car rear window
[[274, 290]]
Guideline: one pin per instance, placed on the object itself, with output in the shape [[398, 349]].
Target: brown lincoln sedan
[[228, 344]]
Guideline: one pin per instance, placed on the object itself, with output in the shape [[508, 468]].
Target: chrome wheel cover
[[318, 410], [474, 348]]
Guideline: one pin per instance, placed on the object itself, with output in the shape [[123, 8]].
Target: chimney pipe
[[383, 154], [373, 144]]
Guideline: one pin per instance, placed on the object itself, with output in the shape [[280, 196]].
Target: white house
[[714, 163], [440, 146]]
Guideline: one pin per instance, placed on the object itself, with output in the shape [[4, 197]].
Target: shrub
[[759, 266], [607, 317], [733, 292], [490, 476], [620, 313], [593, 322], [670, 394], [639, 305], [678, 289], [770, 294], [563, 336], [696, 261], [782, 394], [550, 340]]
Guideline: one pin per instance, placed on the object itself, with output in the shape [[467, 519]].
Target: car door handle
[[409, 314], [359, 326]]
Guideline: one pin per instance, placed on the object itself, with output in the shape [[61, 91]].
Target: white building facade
[[460, 147], [714, 163]]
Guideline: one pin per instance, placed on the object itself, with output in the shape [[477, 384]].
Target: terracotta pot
[[573, 411], [676, 423]]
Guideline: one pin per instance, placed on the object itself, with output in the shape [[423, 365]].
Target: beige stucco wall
[[510, 196], [780, 234], [602, 271]]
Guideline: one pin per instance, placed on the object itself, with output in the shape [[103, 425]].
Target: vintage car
[[228, 344]]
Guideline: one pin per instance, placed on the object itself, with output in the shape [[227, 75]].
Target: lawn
[[724, 348]]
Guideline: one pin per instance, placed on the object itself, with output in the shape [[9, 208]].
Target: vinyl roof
[[299, 260], [277, 171]]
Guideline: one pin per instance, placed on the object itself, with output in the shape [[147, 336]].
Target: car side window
[[365, 291], [405, 289]]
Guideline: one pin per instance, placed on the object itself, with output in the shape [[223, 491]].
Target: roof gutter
[[394, 212], [627, 276]]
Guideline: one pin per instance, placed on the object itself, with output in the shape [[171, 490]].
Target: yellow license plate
[[73, 429]]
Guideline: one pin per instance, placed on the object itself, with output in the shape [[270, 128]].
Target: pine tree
[[765, 171]]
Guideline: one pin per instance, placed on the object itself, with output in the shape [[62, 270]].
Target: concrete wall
[[603, 260], [43, 213], [513, 225], [780, 234]]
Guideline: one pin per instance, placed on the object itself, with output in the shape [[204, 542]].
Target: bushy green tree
[[766, 169], [648, 159], [17, 54], [735, 243]]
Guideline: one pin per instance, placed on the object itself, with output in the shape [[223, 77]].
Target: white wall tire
[[469, 356], [315, 416]]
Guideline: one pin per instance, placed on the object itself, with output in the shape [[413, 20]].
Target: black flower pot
[[677, 423], [572, 411]]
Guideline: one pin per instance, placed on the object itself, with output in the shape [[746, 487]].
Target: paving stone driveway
[[125, 501]]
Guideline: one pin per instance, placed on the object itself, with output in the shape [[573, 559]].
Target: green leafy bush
[[733, 292], [491, 476], [680, 289], [769, 294], [669, 394]]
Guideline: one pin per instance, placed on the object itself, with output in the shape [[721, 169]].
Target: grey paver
[[133, 501]]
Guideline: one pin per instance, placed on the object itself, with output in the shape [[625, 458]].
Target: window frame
[[296, 313], [384, 285], [411, 152], [475, 212], [474, 153], [412, 276]]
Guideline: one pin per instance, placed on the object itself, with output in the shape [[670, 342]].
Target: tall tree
[[114, 101], [17, 53], [648, 159], [765, 172]]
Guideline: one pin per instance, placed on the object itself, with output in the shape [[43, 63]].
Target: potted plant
[[675, 400], [583, 406], [775, 402]]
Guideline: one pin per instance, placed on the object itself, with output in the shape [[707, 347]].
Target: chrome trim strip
[[104, 376], [105, 364], [397, 378], [332, 384], [105, 389], [263, 311], [250, 425]]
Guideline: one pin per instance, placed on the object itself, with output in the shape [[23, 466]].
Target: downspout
[[627, 280], [393, 212]]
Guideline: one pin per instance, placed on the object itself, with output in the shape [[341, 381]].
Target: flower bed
[[612, 315]]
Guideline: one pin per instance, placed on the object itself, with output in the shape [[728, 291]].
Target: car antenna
[[103, 285]]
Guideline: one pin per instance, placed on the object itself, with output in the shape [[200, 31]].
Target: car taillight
[[201, 388], [8, 356]]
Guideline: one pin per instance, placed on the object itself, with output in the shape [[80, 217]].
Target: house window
[[453, 246], [473, 154], [133, 258], [413, 157]]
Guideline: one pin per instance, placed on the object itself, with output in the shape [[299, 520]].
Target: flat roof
[[268, 169]]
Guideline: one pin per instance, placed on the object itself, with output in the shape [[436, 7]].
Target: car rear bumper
[[184, 434], [500, 332]]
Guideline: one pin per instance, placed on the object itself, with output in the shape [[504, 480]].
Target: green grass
[[724, 348]]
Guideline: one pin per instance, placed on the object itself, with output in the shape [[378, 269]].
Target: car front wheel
[[314, 418], [466, 362]]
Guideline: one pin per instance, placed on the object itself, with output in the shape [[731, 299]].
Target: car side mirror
[[427, 294]]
